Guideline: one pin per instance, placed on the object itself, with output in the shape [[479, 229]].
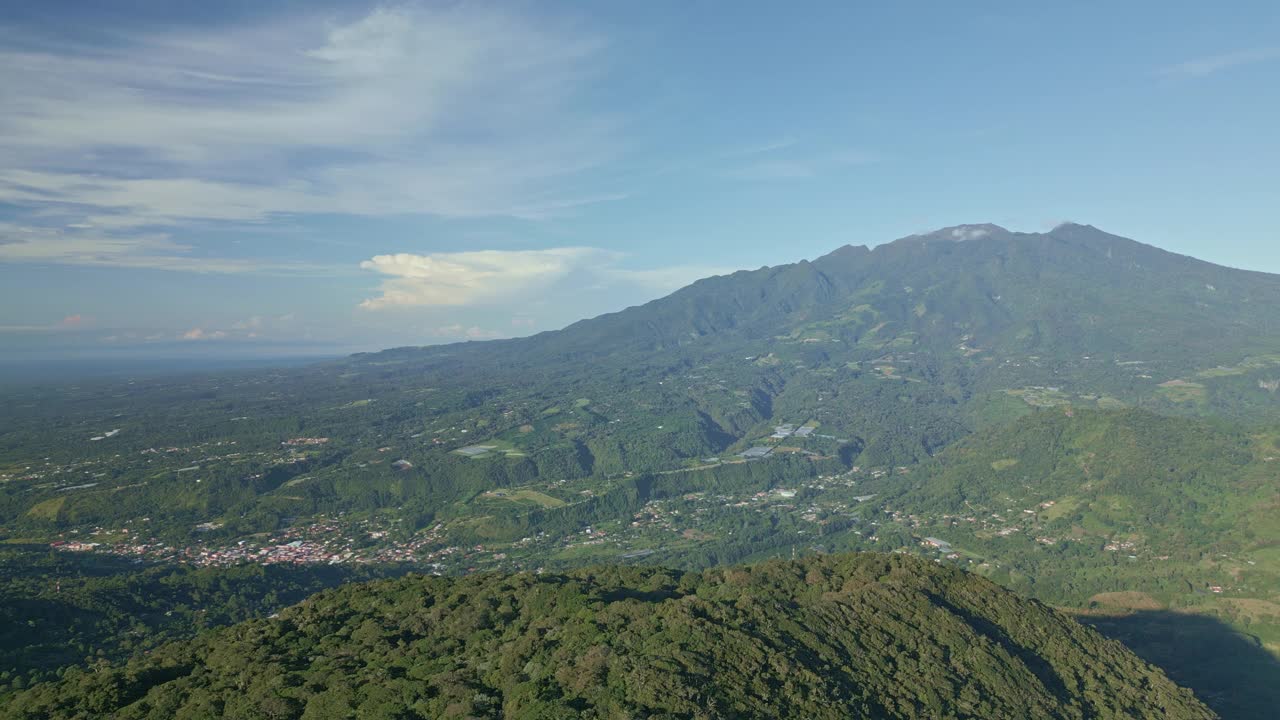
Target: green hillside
[[1166, 484], [830, 637], [1162, 531]]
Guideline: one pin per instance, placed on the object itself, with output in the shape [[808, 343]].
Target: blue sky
[[259, 177]]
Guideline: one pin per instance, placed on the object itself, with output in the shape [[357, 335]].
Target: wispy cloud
[[153, 251], [459, 111], [202, 334], [1205, 66], [493, 277], [473, 332], [763, 148]]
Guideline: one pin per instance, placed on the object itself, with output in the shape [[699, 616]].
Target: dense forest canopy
[[850, 636]]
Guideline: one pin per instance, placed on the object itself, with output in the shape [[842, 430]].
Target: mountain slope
[[980, 324], [1181, 484], [1074, 289], [829, 637]]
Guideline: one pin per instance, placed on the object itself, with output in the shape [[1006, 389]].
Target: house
[[938, 543]]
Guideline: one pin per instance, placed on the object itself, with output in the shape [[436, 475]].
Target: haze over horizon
[[302, 178]]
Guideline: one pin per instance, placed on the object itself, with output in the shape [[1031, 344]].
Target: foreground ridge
[[859, 635]]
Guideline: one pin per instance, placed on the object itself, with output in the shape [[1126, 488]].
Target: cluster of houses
[[327, 542]]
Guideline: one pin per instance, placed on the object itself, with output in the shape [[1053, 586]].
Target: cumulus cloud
[[496, 276], [72, 321], [468, 278]]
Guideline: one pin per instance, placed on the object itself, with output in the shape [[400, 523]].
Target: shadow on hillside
[[1227, 669]]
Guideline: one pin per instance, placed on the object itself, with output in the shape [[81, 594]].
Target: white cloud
[[468, 278], [1202, 67], [460, 111], [487, 277]]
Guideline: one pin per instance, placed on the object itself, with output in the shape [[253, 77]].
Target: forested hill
[[841, 636]]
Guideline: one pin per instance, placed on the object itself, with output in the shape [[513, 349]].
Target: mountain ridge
[[747, 301]]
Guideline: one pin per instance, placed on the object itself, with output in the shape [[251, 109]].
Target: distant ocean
[[28, 369]]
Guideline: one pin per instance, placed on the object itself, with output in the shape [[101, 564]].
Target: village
[[694, 519]]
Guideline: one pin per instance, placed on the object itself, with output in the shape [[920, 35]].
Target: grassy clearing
[[1061, 508], [491, 447], [1249, 364], [1041, 396], [1183, 391], [524, 496], [297, 481], [49, 509]]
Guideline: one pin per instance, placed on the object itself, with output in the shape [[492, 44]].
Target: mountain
[[970, 291], [986, 321], [994, 286], [825, 637]]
